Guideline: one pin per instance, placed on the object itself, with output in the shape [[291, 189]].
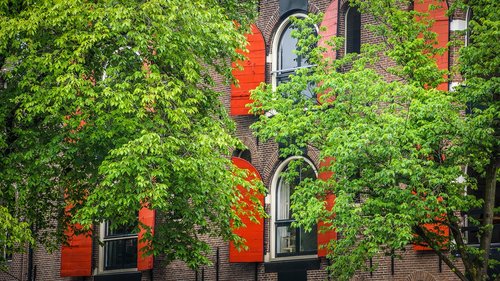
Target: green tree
[[400, 146], [109, 106]]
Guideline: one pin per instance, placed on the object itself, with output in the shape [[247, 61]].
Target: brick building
[[276, 252]]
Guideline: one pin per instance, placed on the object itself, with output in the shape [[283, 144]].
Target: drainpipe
[[30, 264]]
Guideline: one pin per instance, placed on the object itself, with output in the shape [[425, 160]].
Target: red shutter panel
[[441, 26], [330, 21], [146, 217], [436, 228], [252, 74], [76, 257], [325, 237], [253, 233]]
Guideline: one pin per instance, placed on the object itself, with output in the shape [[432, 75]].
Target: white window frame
[[273, 200], [275, 44], [102, 252], [467, 22]]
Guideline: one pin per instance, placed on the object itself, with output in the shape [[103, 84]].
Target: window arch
[[352, 30], [244, 154], [285, 61], [285, 240]]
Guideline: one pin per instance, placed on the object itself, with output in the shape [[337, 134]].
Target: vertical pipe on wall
[[392, 265], [217, 265], [256, 278], [371, 267], [30, 263], [329, 263], [440, 264]]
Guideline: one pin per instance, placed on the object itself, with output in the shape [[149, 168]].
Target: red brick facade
[[413, 266]]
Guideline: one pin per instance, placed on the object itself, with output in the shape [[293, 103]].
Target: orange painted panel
[[76, 258], [325, 237], [147, 217], [252, 74], [253, 233], [330, 21], [437, 228], [441, 26]]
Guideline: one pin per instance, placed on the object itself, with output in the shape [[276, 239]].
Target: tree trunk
[[487, 222]]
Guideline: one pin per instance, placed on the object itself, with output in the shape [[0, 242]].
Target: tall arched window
[[352, 31], [287, 240], [285, 61]]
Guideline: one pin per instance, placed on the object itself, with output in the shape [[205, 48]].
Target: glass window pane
[[353, 36], [308, 240], [285, 240], [120, 254], [120, 230], [286, 57], [283, 200]]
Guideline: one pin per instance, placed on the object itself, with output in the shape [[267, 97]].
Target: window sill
[[117, 271], [309, 262], [118, 275]]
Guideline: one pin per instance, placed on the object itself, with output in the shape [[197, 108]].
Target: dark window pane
[[308, 240], [120, 254], [353, 31], [121, 230], [472, 230]]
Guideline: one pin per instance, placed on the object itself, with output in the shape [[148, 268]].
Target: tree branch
[[420, 232]]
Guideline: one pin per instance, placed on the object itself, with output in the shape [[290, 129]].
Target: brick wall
[[423, 266]]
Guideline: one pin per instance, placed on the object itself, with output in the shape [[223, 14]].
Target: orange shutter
[[252, 74], [253, 233], [76, 257], [147, 217], [437, 228], [330, 21], [325, 237], [441, 26]]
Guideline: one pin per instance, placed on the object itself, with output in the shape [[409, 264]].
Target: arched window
[[287, 240], [352, 31], [285, 60]]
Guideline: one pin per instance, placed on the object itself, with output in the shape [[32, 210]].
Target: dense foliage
[[397, 147], [110, 106]]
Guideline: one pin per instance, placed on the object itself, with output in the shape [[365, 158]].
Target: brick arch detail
[[269, 28], [313, 8], [420, 276], [270, 163], [251, 145], [344, 4]]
